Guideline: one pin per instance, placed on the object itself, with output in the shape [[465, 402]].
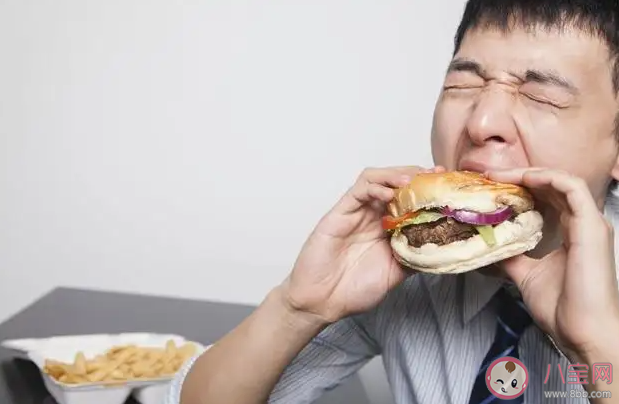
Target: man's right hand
[[346, 266]]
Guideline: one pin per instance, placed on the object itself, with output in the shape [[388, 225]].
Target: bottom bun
[[512, 238]]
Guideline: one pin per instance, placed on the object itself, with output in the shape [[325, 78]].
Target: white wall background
[[158, 146]]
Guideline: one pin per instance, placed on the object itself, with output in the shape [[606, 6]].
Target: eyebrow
[[550, 77], [466, 65], [531, 75]]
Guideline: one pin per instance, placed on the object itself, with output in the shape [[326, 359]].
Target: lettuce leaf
[[425, 216]]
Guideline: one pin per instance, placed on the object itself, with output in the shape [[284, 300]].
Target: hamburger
[[460, 221]]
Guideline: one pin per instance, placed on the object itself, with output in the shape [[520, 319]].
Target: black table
[[76, 311]]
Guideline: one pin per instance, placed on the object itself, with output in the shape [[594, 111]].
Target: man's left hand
[[572, 292]]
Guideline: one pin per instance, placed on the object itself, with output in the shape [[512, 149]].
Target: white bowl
[[64, 349]]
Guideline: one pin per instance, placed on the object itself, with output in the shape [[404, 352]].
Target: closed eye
[[460, 87], [543, 101], [499, 380]]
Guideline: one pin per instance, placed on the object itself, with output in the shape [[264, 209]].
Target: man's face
[[521, 99]]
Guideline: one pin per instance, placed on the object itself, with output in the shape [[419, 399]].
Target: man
[[530, 97]]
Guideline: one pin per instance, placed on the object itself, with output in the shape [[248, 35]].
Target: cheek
[[554, 138], [540, 134], [559, 142]]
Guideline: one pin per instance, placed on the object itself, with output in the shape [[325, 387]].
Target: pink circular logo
[[507, 378]]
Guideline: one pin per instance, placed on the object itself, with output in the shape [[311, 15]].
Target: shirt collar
[[477, 291]]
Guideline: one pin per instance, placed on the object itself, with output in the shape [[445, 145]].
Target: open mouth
[[503, 390]]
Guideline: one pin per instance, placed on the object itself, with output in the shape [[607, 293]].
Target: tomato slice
[[392, 223]]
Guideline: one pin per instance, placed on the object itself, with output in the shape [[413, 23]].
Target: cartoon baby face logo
[[507, 378]]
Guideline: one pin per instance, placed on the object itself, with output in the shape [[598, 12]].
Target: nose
[[491, 118]]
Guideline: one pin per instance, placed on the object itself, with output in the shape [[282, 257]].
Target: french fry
[[125, 354], [122, 364], [139, 370], [93, 366], [154, 356], [118, 375], [79, 364], [168, 368], [102, 373], [170, 350], [187, 351], [54, 368]]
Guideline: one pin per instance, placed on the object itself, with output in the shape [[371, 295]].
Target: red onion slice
[[479, 219]]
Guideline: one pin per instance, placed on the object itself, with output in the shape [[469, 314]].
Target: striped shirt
[[433, 333]]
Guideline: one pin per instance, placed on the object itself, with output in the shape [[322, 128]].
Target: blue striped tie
[[512, 320]]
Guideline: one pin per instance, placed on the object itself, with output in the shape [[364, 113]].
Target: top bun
[[458, 190]]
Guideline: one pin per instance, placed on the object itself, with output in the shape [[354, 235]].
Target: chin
[[459, 221]]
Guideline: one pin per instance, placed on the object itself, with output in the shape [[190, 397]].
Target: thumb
[[521, 267], [518, 268]]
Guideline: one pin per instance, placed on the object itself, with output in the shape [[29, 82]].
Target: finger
[[411, 171], [393, 176], [402, 271], [570, 196], [576, 192], [525, 272], [376, 184], [522, 269], [376, 192], [573, 189], [379, 175], [542, 191], [511, 176], [518, 269]]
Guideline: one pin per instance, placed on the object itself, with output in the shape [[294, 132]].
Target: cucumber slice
[[487, 233]]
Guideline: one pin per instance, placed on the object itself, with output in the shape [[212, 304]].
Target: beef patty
[[443, 231]]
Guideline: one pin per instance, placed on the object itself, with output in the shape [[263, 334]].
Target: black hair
[[596, 17]]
